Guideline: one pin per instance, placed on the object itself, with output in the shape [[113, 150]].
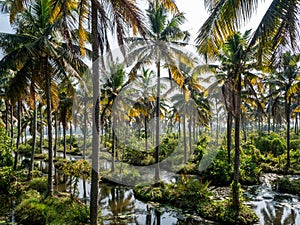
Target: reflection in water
[[120, 207], [273, 208]]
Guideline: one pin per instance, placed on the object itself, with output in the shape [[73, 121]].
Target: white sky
[[193, 9]]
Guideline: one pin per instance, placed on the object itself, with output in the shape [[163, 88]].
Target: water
[[120, 207], [271, 207]]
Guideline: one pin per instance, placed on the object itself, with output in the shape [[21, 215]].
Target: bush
[[6, 158], [286, 185], [35, 209], [219, 172], [39, 184], [273, 143]]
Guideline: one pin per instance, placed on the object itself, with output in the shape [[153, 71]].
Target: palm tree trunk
[[96, 119], [157, 147], [56, 134], [113, 145], [12, 125], [146, 134], [6, 115], [71, 134], [42, 129], [296, 129], [84, 127], [65, 141], [18, 136], [49, 124], [184, 138], [34, 128], [288, 122], [229, 132], [235, 187]]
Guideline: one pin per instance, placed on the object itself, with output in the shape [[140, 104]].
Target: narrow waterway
[[273, 208]]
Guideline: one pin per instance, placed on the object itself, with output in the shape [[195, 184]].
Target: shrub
[[35, 209], [5, 149], [39, 184], [219, 172], [286, 185], [273, 143]]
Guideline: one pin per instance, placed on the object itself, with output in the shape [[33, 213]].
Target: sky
[[194, 12]]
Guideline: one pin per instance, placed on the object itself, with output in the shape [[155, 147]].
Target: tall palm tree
[[286, 72], [161, 45], [237, 59]]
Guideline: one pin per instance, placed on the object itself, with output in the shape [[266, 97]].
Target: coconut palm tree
[[161, 45], [286, 73], [237, 62]]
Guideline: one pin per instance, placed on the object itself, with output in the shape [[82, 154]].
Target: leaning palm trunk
[[96, 119]]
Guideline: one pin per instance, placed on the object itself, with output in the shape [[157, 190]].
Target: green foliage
[[249, 169], [39, 184], [5, 149], [219, 171], [76, 170], [6, 177], [194, 196], [273, 143], [295, 144], [35, 209], [187, 193], [224, 213], [287, 185]]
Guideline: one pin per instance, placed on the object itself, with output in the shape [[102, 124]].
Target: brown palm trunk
[[34, 128], [65, 140]]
